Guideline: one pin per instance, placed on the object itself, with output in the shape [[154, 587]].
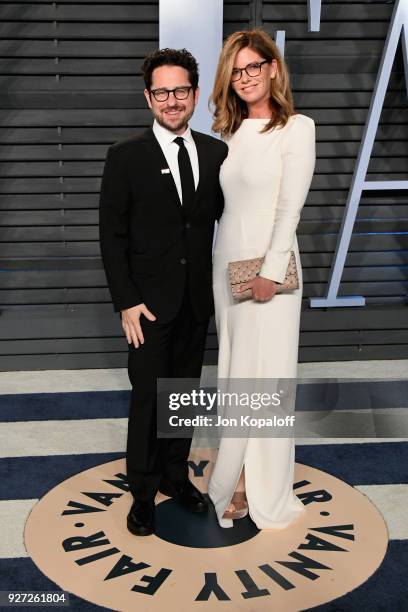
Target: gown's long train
[[265, 181]]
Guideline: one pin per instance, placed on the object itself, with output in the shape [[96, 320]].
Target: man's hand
[[263, 289], [131, 323]]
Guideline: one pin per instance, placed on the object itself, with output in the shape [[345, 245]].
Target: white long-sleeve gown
[[265, 180]]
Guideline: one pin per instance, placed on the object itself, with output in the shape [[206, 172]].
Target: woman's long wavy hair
[[228, 109]]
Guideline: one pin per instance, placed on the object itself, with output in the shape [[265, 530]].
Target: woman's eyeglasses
[[253, 69], [180, 93]]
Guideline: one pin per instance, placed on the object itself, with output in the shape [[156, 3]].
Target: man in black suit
[[160, 196]]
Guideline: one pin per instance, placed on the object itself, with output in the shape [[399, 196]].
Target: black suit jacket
[[149, 241]]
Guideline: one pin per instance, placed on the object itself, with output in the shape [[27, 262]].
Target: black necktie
[[186, 173]]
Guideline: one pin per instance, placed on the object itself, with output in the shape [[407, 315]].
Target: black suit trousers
[[170, 350]]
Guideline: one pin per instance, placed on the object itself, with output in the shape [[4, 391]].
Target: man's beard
[[173, 127]]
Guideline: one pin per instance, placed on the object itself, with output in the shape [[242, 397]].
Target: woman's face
[[252, 89]]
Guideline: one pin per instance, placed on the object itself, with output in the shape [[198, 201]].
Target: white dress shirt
[[170, 149]]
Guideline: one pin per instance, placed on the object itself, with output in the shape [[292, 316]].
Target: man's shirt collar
[[165, 136]]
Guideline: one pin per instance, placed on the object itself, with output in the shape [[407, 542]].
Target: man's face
[[172, 114]]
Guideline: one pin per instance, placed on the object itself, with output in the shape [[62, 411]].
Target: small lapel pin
[[165, 170]]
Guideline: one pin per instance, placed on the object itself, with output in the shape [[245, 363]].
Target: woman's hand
[[263, 289]]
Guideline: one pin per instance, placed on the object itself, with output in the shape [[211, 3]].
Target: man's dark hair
[[170, 57]]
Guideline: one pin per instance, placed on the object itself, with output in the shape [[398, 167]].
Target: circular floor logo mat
[[77, 536]]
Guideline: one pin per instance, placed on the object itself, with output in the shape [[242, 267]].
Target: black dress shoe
[[186, 493], [140, 520]]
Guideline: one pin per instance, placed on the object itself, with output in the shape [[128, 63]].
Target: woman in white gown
[[265, 180]]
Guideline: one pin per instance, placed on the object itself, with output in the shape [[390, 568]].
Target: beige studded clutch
[[247, 269]]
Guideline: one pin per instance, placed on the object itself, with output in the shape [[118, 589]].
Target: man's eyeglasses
[[180, 93], [253, 69]]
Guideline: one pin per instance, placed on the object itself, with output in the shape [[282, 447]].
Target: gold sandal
[[239, 500]]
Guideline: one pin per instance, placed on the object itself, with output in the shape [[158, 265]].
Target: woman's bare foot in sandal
[[238, 507]]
